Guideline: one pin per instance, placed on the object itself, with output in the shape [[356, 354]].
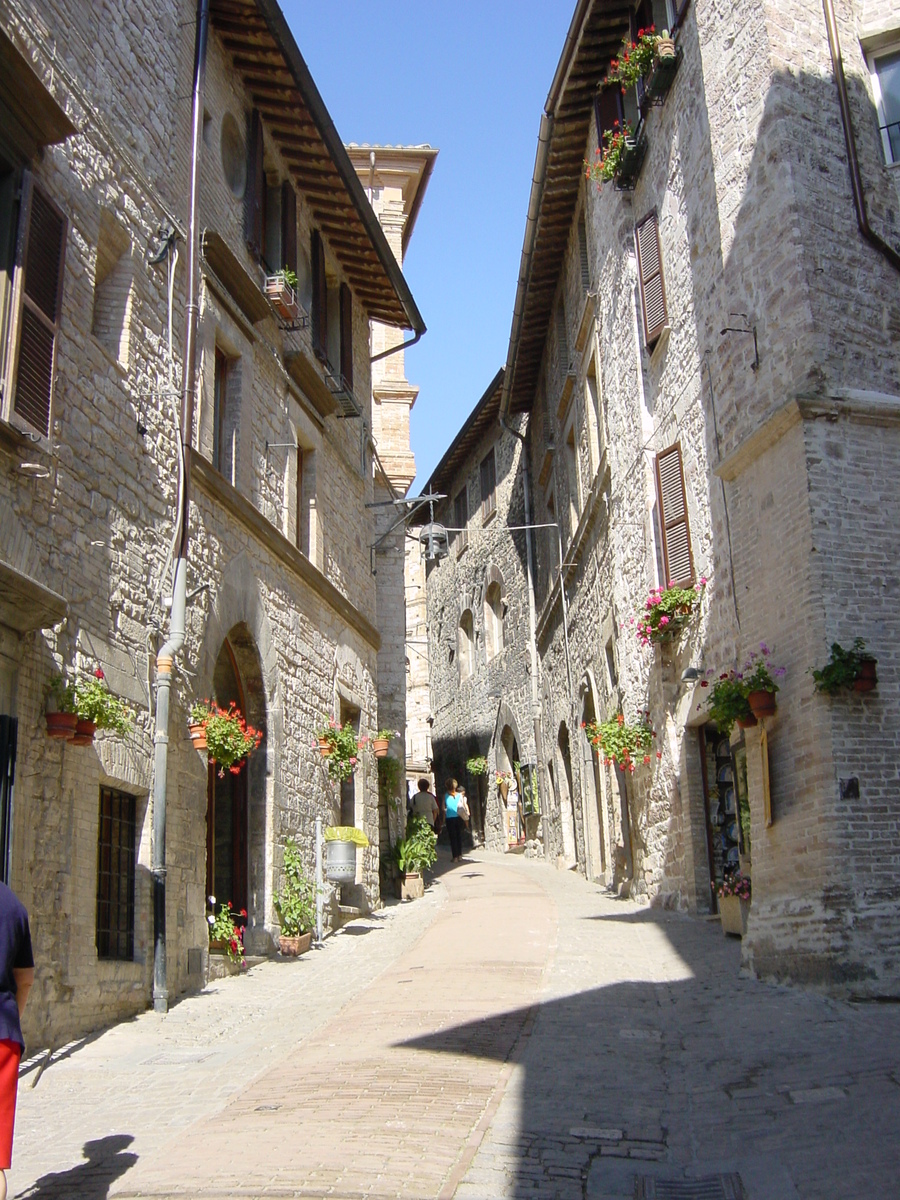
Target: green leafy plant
[[477, 765], [758, 673], [417, 851], [341, 748], [727, 701], [734, 885], [388, 778], [289, 276], [95, 702], [386, 735], [345, 833], [666, 612], [843, 668], [296, 902], [635, 58], [621, 743], [60, 695], [609, 158], [222, 928], [229, 739]]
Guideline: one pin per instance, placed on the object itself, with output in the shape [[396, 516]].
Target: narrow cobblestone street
[[515, 1033]]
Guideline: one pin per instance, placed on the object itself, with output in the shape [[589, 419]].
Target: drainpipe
[[166, 656], [859, 198]]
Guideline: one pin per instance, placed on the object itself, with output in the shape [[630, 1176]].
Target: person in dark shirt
[[16, 978]]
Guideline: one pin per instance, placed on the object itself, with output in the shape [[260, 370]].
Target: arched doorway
[[235, 801], [507, 760], [564, 795]]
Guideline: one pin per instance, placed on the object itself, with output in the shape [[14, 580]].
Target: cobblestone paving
[[516, 1033]]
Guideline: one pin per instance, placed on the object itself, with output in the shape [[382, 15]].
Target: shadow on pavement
[[91, 1180], [701, 1075]]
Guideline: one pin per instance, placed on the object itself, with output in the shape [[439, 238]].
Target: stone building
[[706, 355], [94, 162]]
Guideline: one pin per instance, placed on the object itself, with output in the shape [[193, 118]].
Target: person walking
[[16, 978], [453, 820], [425, 803]]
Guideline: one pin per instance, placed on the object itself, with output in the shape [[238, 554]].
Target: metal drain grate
[[713, 1187]]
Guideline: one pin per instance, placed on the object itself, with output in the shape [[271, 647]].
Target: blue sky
[[471, 79]]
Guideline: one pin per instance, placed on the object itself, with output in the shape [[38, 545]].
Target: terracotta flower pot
[[412, 886], [665, 48], [84, 733], [325, 747], [762, 704], [61, 725], [198, 735], [292, 947], [380, 746], [867, 678], [747, 722]]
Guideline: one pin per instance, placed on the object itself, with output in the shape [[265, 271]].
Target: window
[[886, 88], [611, 663], [226, 412], [493, 614], [346, 325], [488, 485], [583, 254], [466, 644], [113, 289], [594, 413], [304, 493], [319, 298], [461, 520], [34, 310], [115, 875], [572, 481], [255, 189], [675, 533], [650, 279]]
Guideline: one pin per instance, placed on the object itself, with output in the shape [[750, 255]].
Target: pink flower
[[663, 620]]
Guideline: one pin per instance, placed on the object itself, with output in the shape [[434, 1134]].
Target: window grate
[[711, 1187], [115, 875]]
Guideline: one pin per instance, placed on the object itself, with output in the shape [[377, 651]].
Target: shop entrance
[[724, 773]]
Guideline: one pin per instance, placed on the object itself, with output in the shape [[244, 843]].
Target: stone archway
[[597, 833], [566, 797]]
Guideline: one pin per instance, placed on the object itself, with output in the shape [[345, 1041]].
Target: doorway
[[566, 802]]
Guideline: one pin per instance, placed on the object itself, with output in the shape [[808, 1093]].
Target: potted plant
[[477, 765], [759, 683], [225, 935], [341, 842], [620, 158], [229, 739], [636, 57], [415, 853], [295, 904], [666, 612], [622, 744], [727, 703], [734, 903], [852, 668], [98, 708], [59, 708], [382, 740], [197, 724], [340, 747], [281, 292]]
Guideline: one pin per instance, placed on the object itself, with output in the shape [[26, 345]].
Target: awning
[[25, 604], [32, 118]]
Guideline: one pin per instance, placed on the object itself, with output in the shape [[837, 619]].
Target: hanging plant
[[847, 669], [477, 765], [340, 747], [727, 702], [94, 702], [666, 612], [229, 739], [622, 744]]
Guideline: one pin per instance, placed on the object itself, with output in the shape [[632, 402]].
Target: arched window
[[493, 619], [466, 643]]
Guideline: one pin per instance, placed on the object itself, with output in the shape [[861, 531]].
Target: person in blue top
[[453, 819], [16, 978]]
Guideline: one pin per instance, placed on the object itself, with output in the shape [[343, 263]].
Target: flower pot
[[292, 947], [412, 886], [61, 725], [84, 733], [665, 47], [733, 912], [867, 679], [747, 722], [282, 297], [340, 862], [198, 735], [762, 704], [218, 946], [630, 163], [380, 746], [325, 747]]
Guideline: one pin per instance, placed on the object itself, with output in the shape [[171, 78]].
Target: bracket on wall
[[748, 328], [411, 504]]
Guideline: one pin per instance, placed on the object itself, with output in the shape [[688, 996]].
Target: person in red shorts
[[16, 978]]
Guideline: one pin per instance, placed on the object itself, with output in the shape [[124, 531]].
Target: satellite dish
[[435, 540]]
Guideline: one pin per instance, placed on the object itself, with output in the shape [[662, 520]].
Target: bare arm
[[24, 977]]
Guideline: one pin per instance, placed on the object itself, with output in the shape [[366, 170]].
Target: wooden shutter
[[461, 520], [608, 109], [562, 338], [673, 518], [653, 292], [255, 196], [288, 227], [319, 298], [488, 485], [37, 294], [346, 300], [583, 254]]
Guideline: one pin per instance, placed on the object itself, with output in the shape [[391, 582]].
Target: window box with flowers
[[649, 62], [734, 904], [229, 739], [340, 747], [621, 744], [226, 936], [666, 612], [281, 292], [620, 158]]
